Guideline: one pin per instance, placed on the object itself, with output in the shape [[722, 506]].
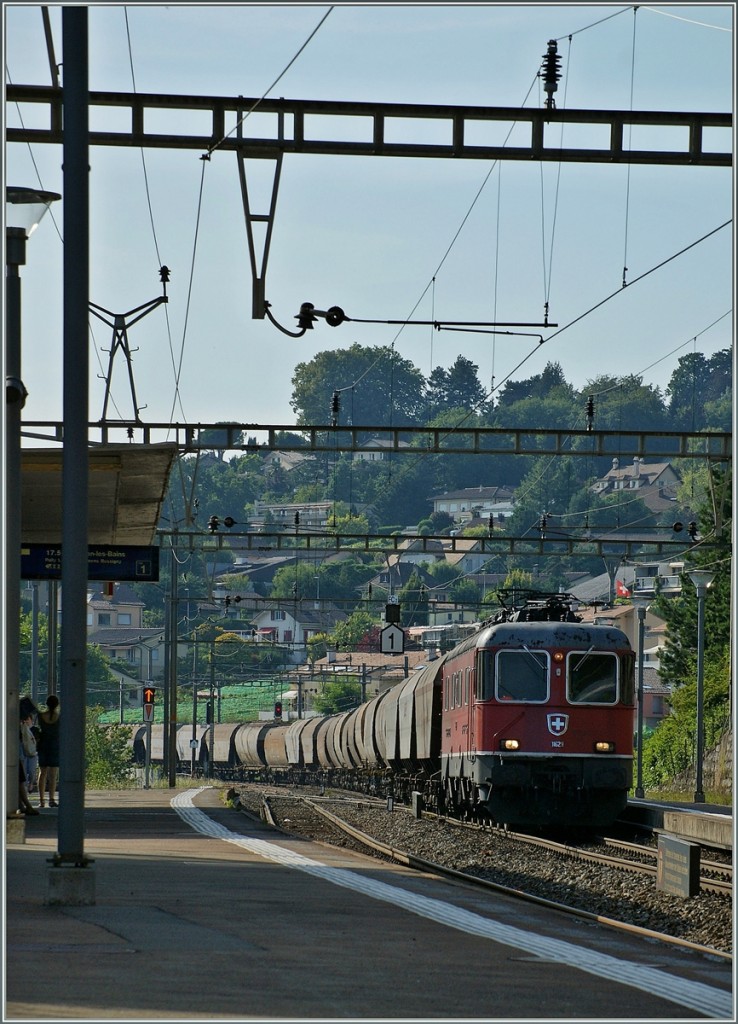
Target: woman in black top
[[48, 750]]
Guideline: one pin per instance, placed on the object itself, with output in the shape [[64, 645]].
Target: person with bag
[[48, 750]]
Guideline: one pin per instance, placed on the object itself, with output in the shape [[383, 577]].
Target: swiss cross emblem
[[557, 724]]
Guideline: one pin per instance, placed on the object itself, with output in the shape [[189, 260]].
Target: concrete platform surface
[[202, 913]]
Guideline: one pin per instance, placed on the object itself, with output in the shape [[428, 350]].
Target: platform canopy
[[127, 485]]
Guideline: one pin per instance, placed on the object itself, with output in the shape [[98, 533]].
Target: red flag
[[621, 590]]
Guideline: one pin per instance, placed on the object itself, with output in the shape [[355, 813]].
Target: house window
[[103, 619], [288, 636], [124, 618], [89, 618], [277, 615]]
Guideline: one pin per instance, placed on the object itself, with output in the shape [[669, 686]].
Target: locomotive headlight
[[558, 656], [604, 747], [509, 744]]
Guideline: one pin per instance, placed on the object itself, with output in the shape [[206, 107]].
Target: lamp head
[[702, 579], [26, 206]]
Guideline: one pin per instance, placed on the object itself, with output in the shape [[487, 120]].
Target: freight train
[[528, 722]]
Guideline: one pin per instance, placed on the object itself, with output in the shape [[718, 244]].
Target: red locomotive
[[537, 719], [527, 722]]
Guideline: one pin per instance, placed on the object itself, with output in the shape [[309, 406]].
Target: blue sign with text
[[124, 562]]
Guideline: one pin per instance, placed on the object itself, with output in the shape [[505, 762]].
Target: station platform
[[711, 824], [201, 912]]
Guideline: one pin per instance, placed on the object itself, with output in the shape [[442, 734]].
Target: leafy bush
[[108, 754]]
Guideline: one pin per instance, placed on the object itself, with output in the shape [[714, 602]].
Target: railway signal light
[[278, 709], [149, 693], [209, 713], [392, 612]]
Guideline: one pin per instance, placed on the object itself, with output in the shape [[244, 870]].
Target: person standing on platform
[[27, 749], [48, 750], [29, 715]]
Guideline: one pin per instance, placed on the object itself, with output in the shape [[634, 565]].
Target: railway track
[[615, 890]]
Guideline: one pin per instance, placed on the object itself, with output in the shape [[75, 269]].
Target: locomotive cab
[[545, 735]]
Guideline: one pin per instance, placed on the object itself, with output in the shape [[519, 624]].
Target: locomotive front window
[[592, 678], [522, 676]]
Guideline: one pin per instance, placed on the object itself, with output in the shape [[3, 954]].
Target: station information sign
[[109, 562]]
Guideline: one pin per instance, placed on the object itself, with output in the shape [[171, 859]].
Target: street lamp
[[24, 209], [702, 579], [641, 605]]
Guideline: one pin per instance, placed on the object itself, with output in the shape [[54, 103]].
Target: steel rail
[[419, 864]]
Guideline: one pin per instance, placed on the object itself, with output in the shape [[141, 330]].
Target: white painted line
[[712, 1002]]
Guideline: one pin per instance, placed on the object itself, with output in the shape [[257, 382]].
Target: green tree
[[696, 383], [336, 697], [414, 601], [625, 403], [375, 385], [680, 613], [670, 751], [551, 383], [457, 387], [347, 635]]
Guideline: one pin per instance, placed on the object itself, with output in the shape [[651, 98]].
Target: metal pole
[[53, 630], [172, 680], [14, 398], [75, 452], [639, 763], [699, 795], [212, 708], [147, 759], [193, 745], [34, 642]]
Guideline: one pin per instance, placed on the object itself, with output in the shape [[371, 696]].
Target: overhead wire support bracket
[[334, 316], [120, 324], [259, 305]]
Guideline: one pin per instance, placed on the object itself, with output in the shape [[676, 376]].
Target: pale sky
[[370, 234]]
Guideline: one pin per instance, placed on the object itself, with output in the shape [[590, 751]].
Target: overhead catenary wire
[[280, 76], [628, 168], [175, 368]]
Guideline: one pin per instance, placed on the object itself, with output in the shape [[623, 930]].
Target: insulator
[[297, 518], [335, 407], [550, 71], [491, 522], [213, 524], [692, 530], [590, 412], [306, 317], [164, 273]]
